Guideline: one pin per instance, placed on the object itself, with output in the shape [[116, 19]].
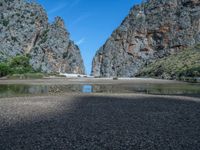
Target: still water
[[161, 89]]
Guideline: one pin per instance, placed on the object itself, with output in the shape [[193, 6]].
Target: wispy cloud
[[74, 3], [81, 41], [57, 8], [79, 19]]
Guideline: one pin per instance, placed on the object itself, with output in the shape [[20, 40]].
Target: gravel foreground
[[100, 122]]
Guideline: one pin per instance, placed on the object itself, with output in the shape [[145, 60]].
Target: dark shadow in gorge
[[100, 122]]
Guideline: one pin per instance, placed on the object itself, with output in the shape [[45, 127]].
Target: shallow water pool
[[160, 89]]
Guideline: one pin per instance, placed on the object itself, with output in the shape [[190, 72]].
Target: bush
[[16, 76], [4, 69], [20, 70], [20, 65], [16, 65], [19, 61], [186, 63], [26, 76]]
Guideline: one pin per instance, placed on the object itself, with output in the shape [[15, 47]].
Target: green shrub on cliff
[[16, 65], [183, 64], [26, 76], [4, 69], [20, 65]]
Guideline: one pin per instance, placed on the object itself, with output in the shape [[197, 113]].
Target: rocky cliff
[[152, 30], [24, 29]]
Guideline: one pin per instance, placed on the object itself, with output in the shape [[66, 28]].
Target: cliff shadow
[[107, 122]]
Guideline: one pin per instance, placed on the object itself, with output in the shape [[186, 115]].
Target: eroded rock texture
[[24, 29], [152, 30]]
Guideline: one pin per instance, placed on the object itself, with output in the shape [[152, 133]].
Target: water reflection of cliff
[[163, 89], [148, 89]]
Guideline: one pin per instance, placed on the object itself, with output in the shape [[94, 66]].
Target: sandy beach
[[100, 121], [66, 81]]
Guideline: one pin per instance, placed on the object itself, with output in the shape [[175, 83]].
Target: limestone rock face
[[24, 29], [152, 30]]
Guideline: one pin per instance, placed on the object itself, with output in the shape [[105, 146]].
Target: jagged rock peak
[[59, 22], [25, 29], [152, 30]]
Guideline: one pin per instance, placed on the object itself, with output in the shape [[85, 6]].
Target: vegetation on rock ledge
[[185, 64], [18, 66]]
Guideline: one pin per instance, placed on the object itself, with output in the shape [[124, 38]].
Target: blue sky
[[90, 22]]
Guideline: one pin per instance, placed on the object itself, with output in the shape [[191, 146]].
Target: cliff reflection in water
[[162, 89]]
